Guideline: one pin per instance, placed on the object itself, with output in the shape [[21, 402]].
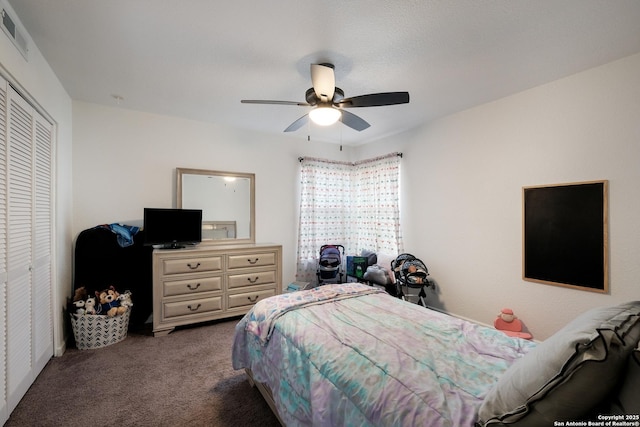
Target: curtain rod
[[300, 159]]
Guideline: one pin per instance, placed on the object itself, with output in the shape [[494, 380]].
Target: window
[[351, 204]]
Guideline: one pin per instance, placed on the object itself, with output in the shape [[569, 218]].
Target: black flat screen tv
[[172, 228]]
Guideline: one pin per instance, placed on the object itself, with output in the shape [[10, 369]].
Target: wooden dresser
[[212, 282]]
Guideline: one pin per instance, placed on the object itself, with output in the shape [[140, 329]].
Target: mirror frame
[[180, 172]]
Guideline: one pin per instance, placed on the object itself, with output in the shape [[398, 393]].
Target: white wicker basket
[[98, 330]]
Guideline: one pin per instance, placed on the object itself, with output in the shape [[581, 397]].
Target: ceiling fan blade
[[353, 121], [323, 80], [375, 100], [258, 101], [298, 123]]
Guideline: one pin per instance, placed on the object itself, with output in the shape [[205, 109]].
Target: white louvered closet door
[[29, 336], [4, 413], [42, 308], [19, 241]]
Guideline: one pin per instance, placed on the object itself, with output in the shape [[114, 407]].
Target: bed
[[350, 354]]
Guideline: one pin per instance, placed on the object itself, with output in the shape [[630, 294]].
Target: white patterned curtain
[[375, 215], [355, 205]]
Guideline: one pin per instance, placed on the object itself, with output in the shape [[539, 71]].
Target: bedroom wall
[[36, 79], [462, 200], [125, 160], [462, 180]]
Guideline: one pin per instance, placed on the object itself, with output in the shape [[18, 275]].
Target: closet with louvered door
[[26, 203], [4, 412]]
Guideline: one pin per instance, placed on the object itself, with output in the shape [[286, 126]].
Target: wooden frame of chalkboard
[[565, 235]]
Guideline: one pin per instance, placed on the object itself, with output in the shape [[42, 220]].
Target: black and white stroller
[[330, 264], [412, 280]]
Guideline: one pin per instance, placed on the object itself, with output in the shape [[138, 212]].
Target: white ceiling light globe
[[324, 116]]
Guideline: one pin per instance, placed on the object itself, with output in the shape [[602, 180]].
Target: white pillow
[[568, 374]]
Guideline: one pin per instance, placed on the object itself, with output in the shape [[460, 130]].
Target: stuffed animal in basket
[[109, 302], [90, 305], [79, 307], [125, 299], [80, 294], [77, 304]]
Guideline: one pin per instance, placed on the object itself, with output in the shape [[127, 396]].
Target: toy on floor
[[508, 323]]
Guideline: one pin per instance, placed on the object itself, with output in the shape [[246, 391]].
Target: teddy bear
[[109, 302], [509, 323], [77, 303], [80, 294], [90, 305], [125, 299]]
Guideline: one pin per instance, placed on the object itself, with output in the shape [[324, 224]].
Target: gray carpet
[[183, 379]]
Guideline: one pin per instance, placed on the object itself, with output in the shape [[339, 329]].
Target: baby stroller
[[411, 279], [330, 264]]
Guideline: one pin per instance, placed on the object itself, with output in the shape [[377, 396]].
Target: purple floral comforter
[[351, 356]]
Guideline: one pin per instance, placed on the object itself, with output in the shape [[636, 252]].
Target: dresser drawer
[[191, 265], [252, 260], [211, 282], [247, 299], [192, 286], [194, 306], [250, 279]]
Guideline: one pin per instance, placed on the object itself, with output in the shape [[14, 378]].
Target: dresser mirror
[[227, 200]]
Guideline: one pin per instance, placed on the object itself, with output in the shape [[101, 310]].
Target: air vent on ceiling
[[15, 34]]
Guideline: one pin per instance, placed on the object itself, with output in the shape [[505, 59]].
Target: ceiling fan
[[328, 101]]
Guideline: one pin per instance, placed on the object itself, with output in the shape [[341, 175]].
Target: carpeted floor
[[183, 379]]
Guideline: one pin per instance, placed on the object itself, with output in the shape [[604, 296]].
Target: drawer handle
[[254, 280], [253, 299], [254, 261], [193, 288], [193, 267], [194, 309]]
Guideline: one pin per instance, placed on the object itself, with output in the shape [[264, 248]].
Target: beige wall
[[125, 160], [463, 177], [462, 180]]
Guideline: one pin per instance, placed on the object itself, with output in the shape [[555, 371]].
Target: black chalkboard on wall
[[565, 234]]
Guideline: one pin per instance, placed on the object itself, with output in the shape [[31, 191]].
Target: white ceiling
[[198, 58]]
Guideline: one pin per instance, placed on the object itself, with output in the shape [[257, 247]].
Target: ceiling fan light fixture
[[324, 116], [327, 103]]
